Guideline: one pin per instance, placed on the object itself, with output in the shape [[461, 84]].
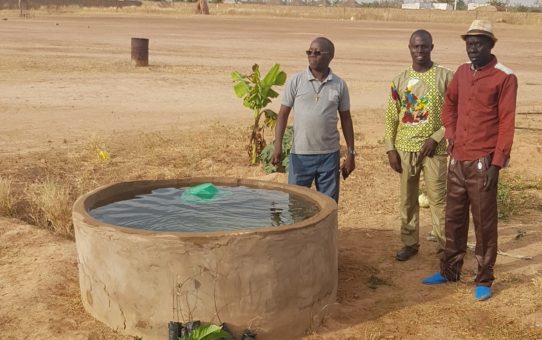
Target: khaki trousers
[[434, 175], [466, 189]]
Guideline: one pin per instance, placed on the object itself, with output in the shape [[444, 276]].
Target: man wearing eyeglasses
[[414, 139], [316, 95]]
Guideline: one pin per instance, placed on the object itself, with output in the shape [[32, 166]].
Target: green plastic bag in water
[[204, 191]]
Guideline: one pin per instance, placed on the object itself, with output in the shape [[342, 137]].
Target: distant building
[[474, 6], [427, 5], [417, 5], [442, 6]]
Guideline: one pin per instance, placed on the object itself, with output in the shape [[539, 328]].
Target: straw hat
[[480, 27]]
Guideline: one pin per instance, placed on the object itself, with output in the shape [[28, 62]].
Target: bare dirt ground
[[66, 80]]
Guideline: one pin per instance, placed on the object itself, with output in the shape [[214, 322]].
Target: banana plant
[[209, 332], [257, 93]]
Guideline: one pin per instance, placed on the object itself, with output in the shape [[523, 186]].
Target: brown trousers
[[465, 187]]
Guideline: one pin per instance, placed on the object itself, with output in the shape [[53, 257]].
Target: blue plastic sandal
[[482, 293], [435, 279]]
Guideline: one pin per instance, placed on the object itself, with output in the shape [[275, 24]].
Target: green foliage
[[461, 5], [525, 9], [499, 4], [267, 153], [257, 93], [505, 204], [381, 4], [208, 332]]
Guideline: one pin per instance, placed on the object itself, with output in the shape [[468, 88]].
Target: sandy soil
[[67, 79]]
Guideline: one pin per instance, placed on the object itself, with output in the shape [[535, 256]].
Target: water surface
[[233, 208]]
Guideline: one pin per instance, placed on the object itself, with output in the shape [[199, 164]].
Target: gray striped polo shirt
[[315, 104]]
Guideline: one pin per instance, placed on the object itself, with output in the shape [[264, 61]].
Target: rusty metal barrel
[[140, 52]]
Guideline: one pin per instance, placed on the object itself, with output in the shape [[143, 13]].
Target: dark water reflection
[[233, 208]]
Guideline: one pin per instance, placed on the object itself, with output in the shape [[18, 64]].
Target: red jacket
[[479, 112]]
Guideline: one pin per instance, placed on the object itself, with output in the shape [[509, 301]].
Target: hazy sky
[[510, 2]]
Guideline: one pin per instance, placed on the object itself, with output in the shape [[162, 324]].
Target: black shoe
[[406, 253]]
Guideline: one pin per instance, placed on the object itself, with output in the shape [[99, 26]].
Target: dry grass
[[7, 201], [78, 168], [50, 205], [216, 150], [537, 283]]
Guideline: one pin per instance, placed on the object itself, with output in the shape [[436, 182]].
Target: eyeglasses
[[315, 53]]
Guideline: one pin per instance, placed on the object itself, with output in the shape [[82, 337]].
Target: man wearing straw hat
[[479, 118]]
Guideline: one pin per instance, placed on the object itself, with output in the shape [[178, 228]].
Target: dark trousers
[[322, 169], [465, 188]]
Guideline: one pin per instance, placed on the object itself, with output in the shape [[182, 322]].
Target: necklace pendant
[[317, 97]]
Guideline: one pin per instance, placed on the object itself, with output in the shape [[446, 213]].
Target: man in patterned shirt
[[414, 139]]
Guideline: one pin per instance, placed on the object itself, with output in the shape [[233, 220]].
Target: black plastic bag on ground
[[187, 328], [227, 330], [174, 329], [248, 335]]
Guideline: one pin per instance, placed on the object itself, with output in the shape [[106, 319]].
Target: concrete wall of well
[[276, 281]]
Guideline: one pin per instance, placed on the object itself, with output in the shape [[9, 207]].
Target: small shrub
[[208, 332], [266, 155], [505, 203], [50, 206]]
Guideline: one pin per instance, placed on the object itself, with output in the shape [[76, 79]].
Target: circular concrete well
[[276, 281]]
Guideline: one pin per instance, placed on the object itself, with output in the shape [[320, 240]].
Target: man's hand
[[450, 146], [348, 166], [277, 151], [428, 149], [492, 177], [395, 161]]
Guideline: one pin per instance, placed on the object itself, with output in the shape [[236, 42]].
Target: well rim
[[92, 199]]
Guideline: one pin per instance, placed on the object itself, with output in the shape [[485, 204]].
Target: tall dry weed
[[50, 205], [537, 282], [7, 201]]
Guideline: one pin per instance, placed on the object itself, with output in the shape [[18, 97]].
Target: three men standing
[[414, 139], [479, 117]]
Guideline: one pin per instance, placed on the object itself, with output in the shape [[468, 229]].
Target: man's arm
[[287, 103], [391, 122], [449, 109], [507, 121], [430, 146], [348, 132], [282, 121]]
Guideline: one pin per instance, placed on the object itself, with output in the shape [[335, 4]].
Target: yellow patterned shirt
[[413, 112]]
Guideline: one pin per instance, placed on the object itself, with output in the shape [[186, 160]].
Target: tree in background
[[460, 5], [500, 5], [202, 7]]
